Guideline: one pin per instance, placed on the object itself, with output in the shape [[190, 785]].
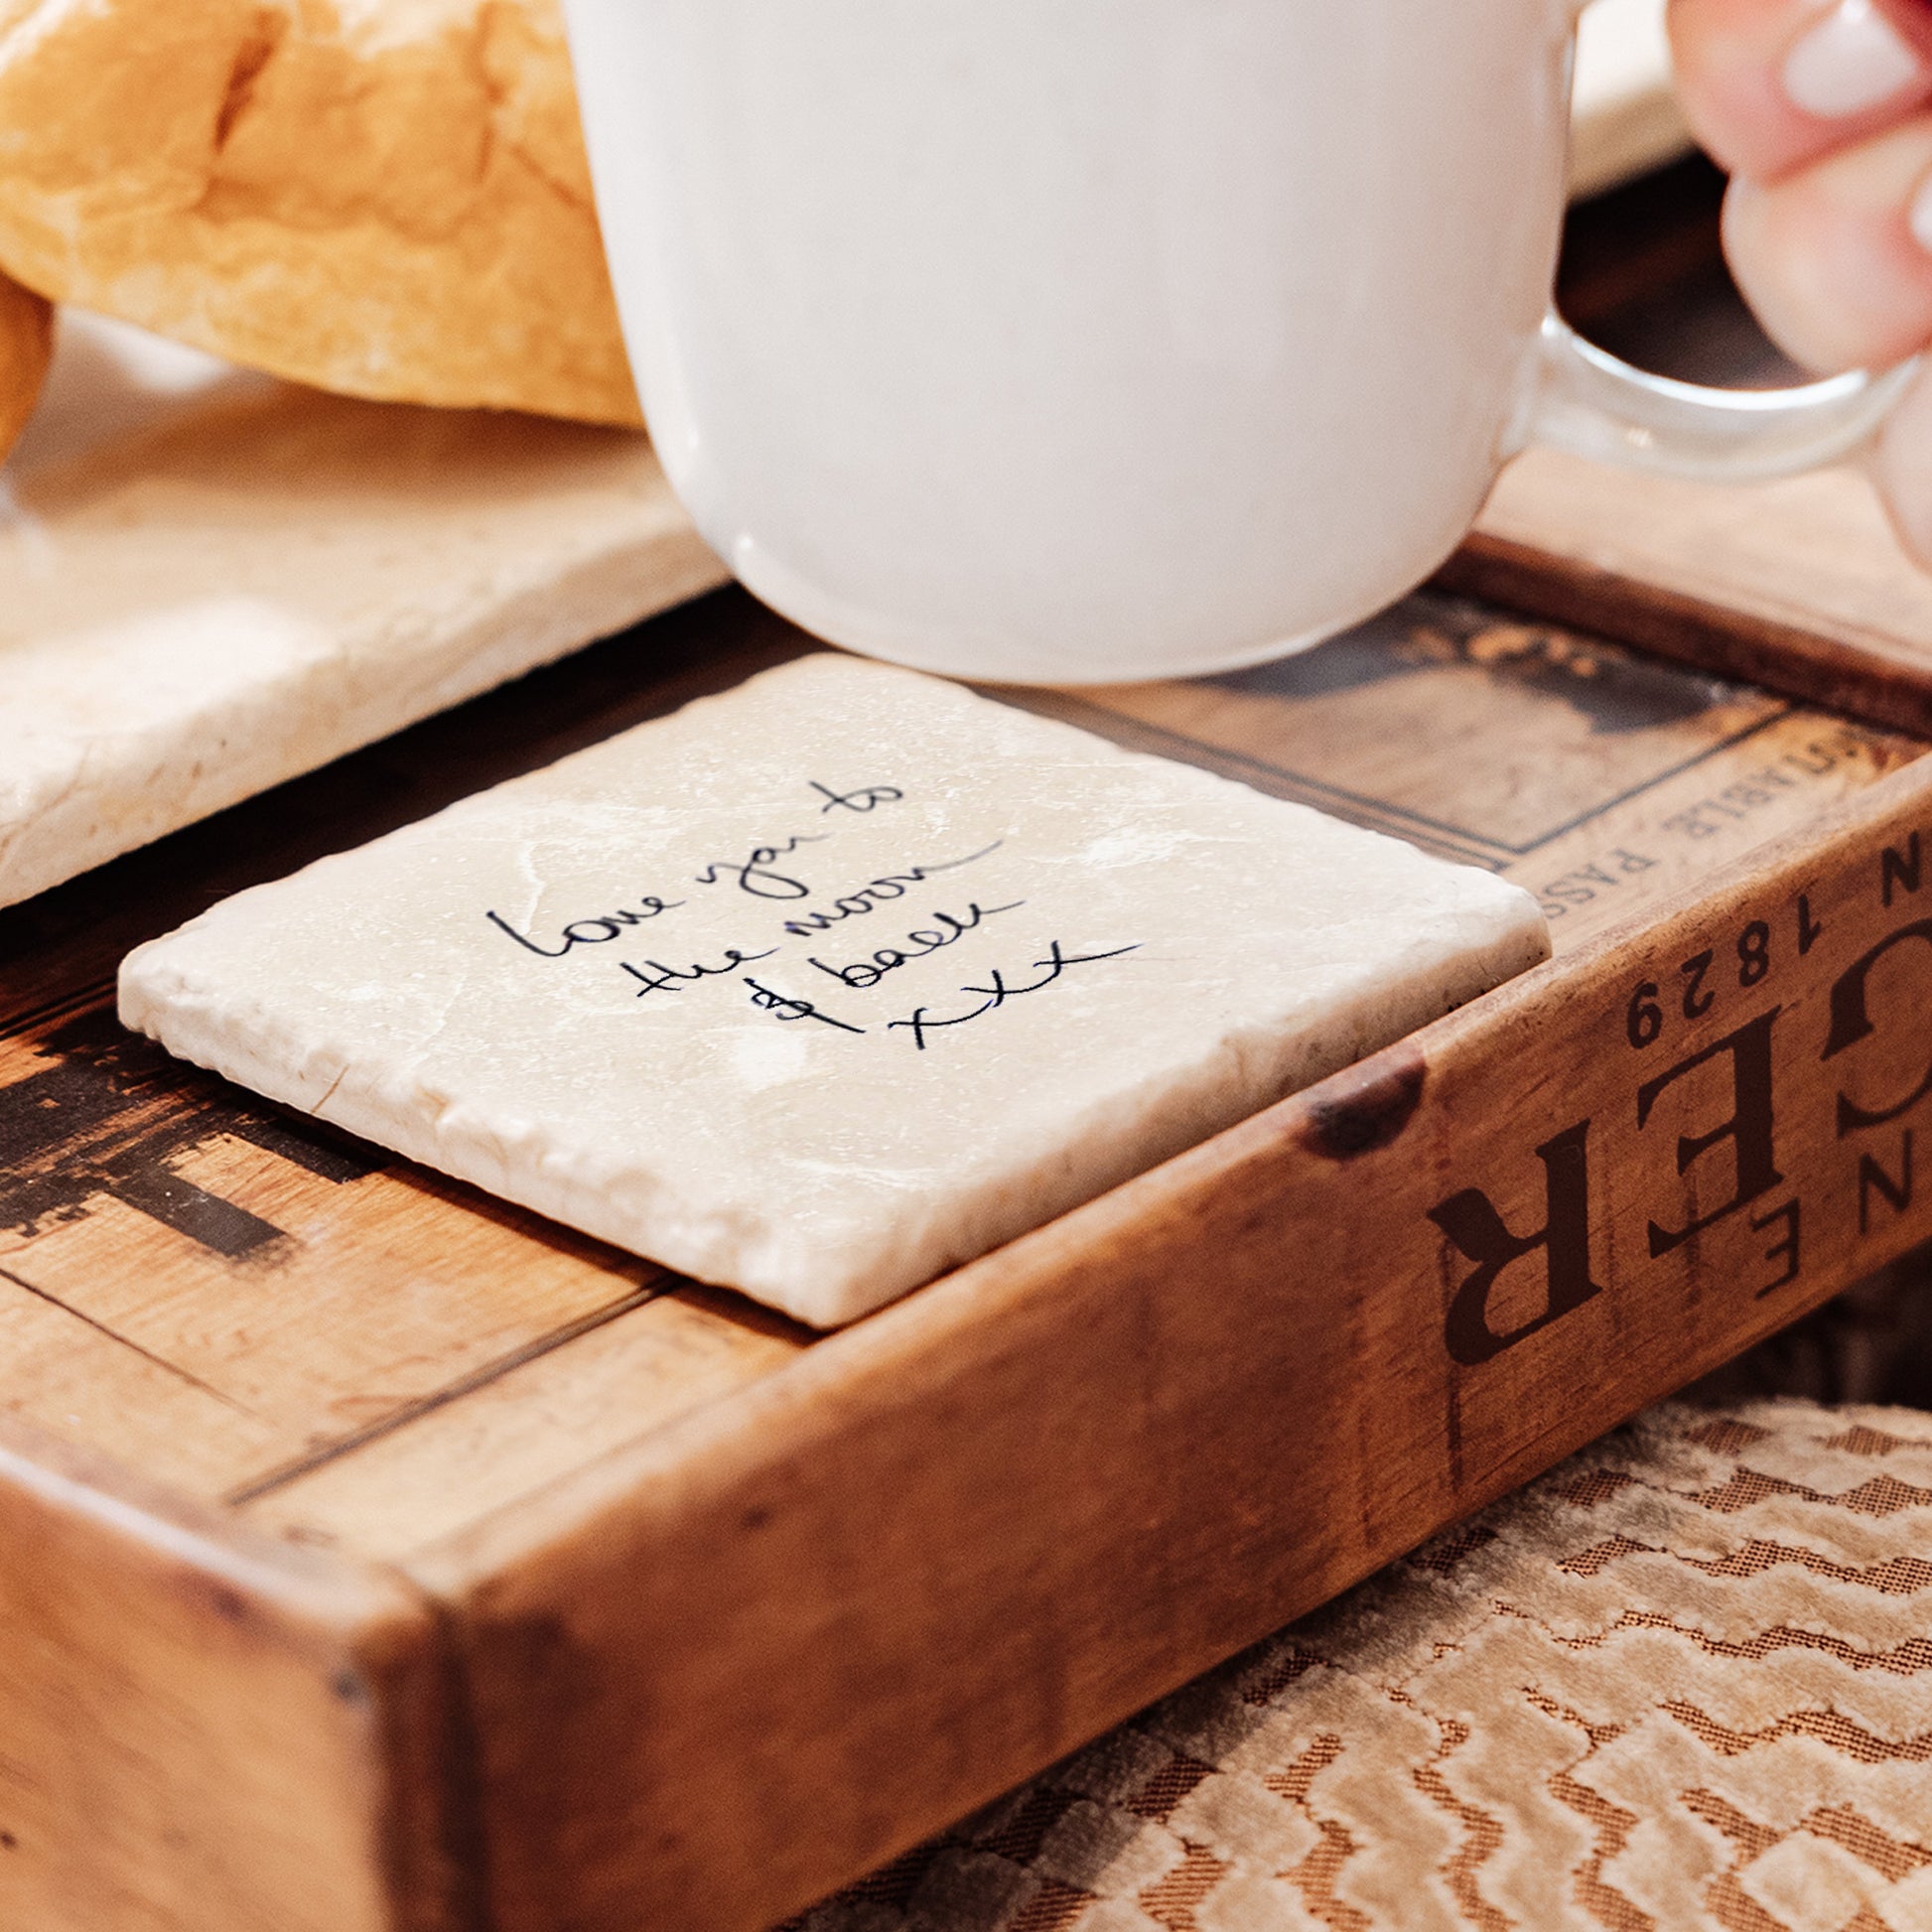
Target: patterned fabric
[[1685, 1681]]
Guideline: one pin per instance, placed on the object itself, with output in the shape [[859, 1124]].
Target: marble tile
[[822, 986], [211, 581]]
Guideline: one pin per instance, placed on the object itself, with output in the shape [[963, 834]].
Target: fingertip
[[1831, 256], [1726, 53], [1771, 85]]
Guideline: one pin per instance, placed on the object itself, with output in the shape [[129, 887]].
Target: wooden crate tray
[[374, 1555]]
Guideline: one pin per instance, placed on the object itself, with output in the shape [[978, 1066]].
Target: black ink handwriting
[[863, 973], [867, 798], [754, 875], [590, 933], [883, 889], [785, 1007], [665, 979], [999, 992]]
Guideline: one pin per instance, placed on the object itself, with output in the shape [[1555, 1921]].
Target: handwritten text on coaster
[[828, 984]]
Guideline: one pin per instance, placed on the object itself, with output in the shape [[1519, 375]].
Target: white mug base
[[1070, 340], [990, 657]]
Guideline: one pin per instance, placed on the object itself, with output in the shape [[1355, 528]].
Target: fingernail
[[1853, 60], [1918, 216]]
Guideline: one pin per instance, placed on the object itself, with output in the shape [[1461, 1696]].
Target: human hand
[[1822, 110]]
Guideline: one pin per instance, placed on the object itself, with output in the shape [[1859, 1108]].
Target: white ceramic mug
[[1062, 341]]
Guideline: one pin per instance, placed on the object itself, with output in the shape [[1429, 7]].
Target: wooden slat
[[268, 1289], [941, 1549], [1798, 586], [88, 1385], [1601, 780], [197, 1730], [504, 1440]]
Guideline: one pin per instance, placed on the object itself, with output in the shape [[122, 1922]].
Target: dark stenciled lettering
[[1790, 1249], [1697, 1002], [1875, 1178], [920, 1022], [1471, 1222], [591, 932], [659, 977], [1750, 1128], [863, 974], [877, 893], [1808, 929], [867, 798], [768, 1000], [1902, 871], [1852, 1022], [754, 875]]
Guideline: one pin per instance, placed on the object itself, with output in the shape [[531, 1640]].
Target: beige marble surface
[[825, 984], [1626, 117], [211, 581]]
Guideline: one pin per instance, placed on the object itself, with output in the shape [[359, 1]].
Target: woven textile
[[1683, 1681]]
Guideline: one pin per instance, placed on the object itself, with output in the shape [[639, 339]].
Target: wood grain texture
[[26, 348], [210, 1289], [203, 1730], [864, 1595], [516, 1432], [1797, 585], [386, 1372]]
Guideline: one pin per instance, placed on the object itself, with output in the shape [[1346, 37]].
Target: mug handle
[[1593, 405]]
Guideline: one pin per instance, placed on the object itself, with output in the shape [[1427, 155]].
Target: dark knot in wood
[[1366, 1107]]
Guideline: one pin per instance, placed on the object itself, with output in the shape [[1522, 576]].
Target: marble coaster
[[211, 581], [823, 986]]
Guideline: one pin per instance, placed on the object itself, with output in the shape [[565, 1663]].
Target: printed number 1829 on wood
[[1769, 1073]]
